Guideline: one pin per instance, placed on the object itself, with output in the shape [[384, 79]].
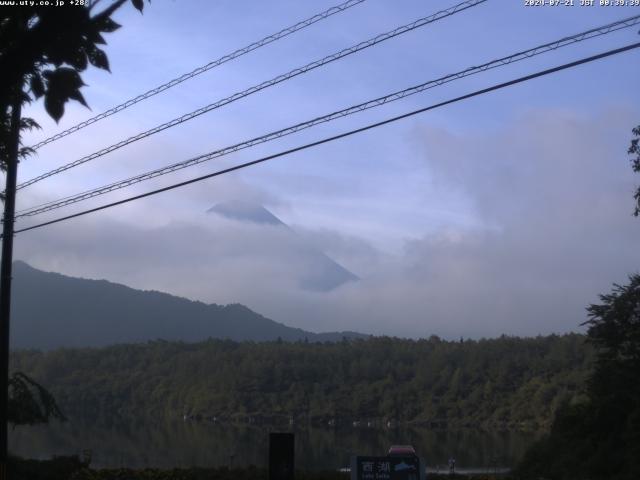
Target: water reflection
[[180, 444]]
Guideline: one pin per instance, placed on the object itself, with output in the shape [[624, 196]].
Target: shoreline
[[63, 468]]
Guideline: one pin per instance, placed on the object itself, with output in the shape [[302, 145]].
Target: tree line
[[498, 383], [598, 435]]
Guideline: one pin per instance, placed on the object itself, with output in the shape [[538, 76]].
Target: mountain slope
[[50, 310]]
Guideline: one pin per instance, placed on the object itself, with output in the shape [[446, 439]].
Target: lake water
[[182, 444]]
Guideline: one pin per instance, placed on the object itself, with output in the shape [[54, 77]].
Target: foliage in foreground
[[250, 473], [599, 438], [43, 52], [30, 403], [71, 468], [634, 149], [59, 468], [235, 474]]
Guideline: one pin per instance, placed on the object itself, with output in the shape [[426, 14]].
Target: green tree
[[43, 51], [614, 328], [318, 381], [634, 149], [30, 403], [599, 436]]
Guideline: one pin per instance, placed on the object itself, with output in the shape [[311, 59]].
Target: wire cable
[[256, 88], [599, 31], [204, 68], [341, 135]]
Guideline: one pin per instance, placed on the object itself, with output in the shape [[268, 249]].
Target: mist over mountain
[[246, 212], [51, 310], [320, 272]]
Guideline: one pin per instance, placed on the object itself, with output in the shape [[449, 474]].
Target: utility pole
[[5, 272]]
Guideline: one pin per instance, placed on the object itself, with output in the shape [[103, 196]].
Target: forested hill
[[76, 312], [499, 383]]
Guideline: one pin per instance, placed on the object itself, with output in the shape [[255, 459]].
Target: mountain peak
[[318, 271], [246, 211]]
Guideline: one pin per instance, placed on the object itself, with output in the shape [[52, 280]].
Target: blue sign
[[387, 468]]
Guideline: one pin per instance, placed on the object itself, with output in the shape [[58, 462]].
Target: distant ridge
[[321, 272], [51, 310]]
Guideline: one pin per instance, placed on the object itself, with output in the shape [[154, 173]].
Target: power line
[[204, 68], [594, 32], [256, 88], [339, 136]]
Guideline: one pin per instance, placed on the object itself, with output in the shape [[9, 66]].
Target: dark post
[[281, 456], [5, 276]]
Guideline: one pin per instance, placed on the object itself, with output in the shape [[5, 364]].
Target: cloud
[[551, 193], [553, 190]]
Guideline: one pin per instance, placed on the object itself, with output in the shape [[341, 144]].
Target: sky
[[508, 213]]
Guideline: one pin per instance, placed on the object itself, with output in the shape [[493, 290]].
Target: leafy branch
[[30, 403]]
